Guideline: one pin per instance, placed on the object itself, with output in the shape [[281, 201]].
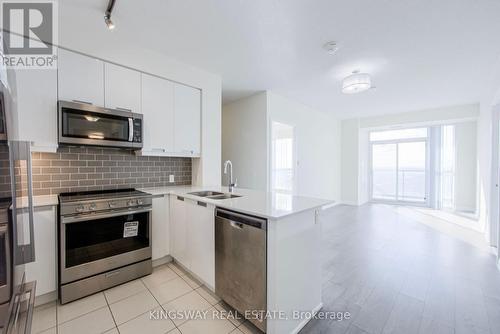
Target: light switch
[[171, 178]]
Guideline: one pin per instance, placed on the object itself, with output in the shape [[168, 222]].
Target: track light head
[[109, 23], [107, 15]]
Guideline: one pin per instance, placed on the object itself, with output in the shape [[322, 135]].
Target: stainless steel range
[[104, 240]]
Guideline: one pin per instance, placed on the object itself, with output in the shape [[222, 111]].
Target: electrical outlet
[[171, 178]]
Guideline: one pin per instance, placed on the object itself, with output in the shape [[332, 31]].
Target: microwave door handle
[[130, 129]]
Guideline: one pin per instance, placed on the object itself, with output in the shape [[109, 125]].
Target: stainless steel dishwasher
[[241, 264]]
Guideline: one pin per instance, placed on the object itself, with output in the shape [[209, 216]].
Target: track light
[[107, 15], [109, 23]]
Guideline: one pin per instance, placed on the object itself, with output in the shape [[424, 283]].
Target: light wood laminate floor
[[394, 274]]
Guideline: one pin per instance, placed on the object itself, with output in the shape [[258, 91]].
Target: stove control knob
[[80, 208], [140, 202], [112, 205], [92, 206], [132, 202]]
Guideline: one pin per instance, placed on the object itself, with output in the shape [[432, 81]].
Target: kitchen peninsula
[[293, 243]]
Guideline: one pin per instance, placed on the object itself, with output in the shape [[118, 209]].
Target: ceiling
[[421, 54]]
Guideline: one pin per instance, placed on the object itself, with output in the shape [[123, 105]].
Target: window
[[282, 157], [399, 165]]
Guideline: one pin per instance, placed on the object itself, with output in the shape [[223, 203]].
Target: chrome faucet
[[232, 184]]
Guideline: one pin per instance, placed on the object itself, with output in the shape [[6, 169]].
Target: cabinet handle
[[158, 150], [180, 198], [202, 204], [80, 101], [124, 109]]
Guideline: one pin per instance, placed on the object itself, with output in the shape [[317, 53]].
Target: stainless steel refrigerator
[[17, 296]]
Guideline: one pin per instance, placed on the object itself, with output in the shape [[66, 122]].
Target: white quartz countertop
[[253, 202]]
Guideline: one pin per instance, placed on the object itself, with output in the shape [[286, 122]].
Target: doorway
[[283, 158]]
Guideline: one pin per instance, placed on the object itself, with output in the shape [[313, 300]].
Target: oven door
[[83, 124], [95, 243]]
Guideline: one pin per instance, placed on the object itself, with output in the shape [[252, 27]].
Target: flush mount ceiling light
[[356, 83], [107, 15]]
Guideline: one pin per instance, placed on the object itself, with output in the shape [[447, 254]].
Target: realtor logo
[[29, 32]]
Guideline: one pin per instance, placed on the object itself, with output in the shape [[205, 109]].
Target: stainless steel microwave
[[86, 124]]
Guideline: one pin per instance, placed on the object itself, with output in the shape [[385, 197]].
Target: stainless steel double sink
[[213, 194]]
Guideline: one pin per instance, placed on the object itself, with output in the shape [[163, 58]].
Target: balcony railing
[[407, 184]]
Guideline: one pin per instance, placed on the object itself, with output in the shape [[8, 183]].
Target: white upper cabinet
[[37, 109], [80, 78], [187, 115], [122, 87], [158, 110]]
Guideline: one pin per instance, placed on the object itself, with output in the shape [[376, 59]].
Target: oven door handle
[[76, 219]]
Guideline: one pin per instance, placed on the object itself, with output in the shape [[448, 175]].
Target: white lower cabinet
[[44, 269], [193, 237], [202, 240], [179, 231], [160, 227]]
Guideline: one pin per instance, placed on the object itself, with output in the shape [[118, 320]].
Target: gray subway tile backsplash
[[83, 169]]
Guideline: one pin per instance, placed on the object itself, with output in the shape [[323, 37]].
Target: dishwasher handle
[[238, 220]]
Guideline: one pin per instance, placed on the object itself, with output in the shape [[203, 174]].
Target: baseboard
[[163, 260], [349, 203], [196, 277], [329, 206], [304, 322], [46, 298]]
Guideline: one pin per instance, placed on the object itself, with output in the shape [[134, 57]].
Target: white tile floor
[[126, 309]]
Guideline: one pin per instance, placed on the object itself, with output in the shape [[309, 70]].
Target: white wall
[[466, 166], [244, 140], [487, 156], [318, 146], [101, 43], [363, 167], [436, 115], [349, 161]]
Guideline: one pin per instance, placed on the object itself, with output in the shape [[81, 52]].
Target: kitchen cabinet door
[[122, 87], [158, 110], [80, 78], [202, 241], [179, 231], [37, 109], [187, 115], [160, 227], [44, 269]]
